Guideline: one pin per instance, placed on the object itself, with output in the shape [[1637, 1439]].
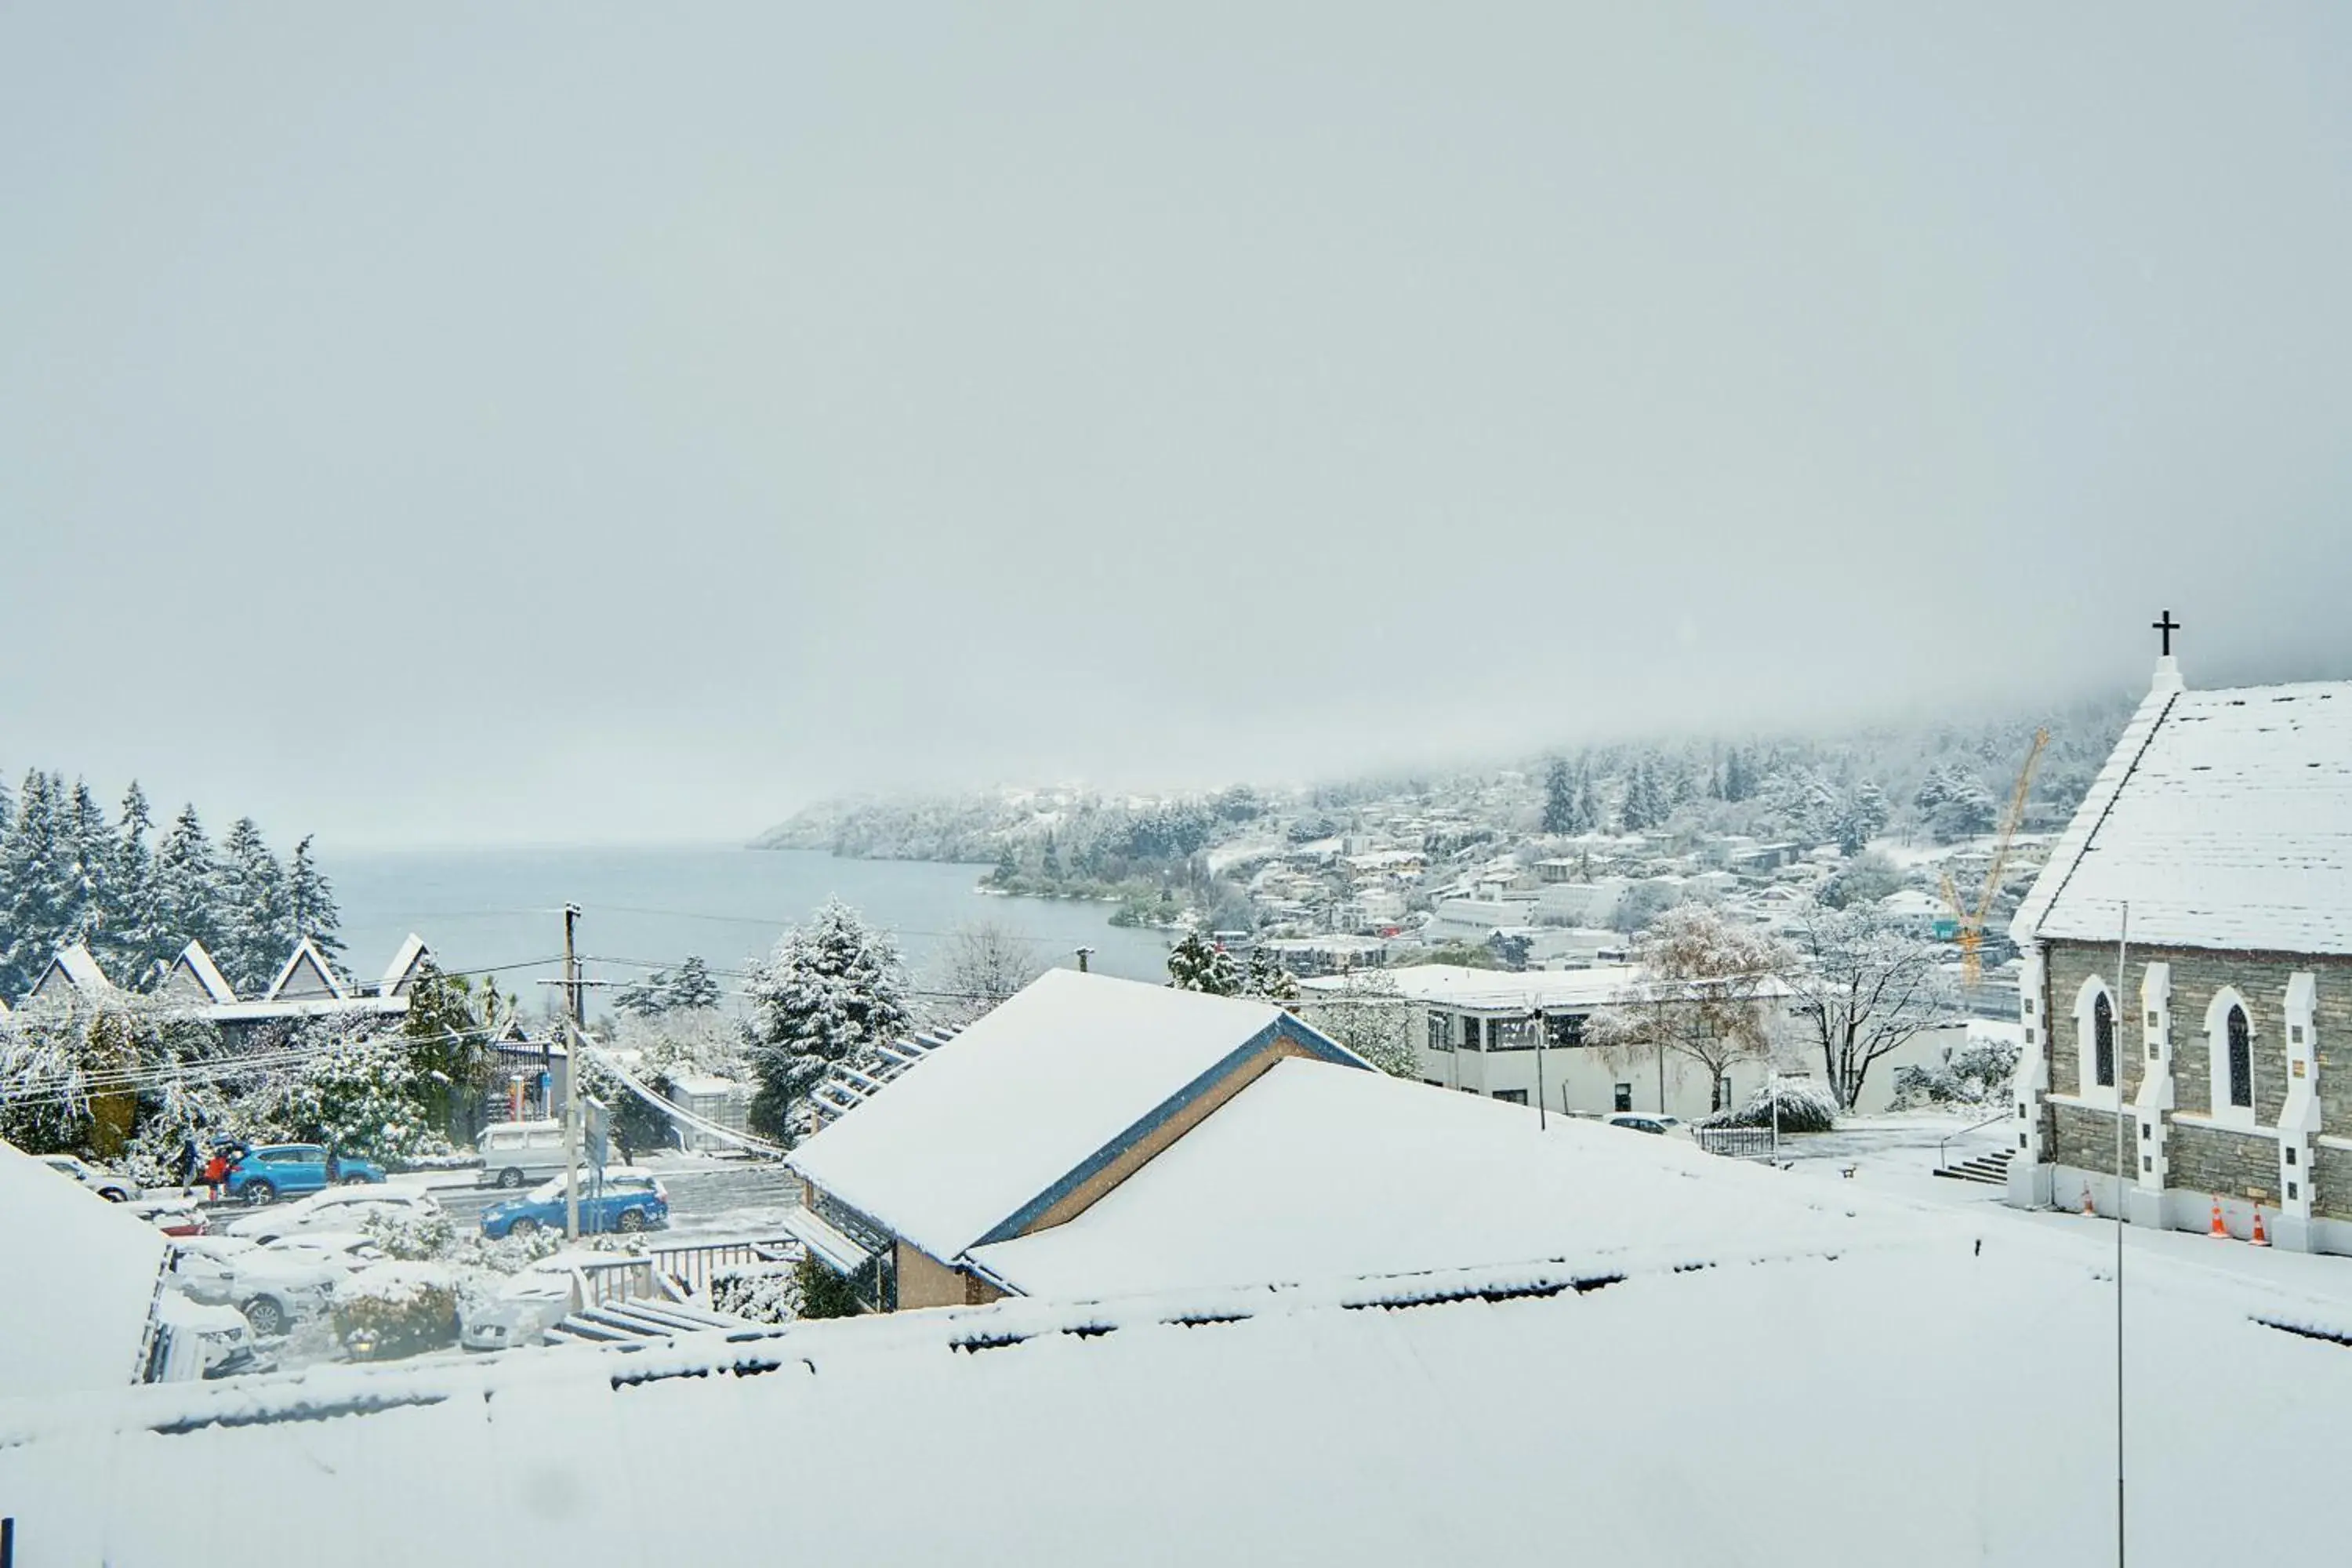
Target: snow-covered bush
[[1805, 1107], [764, 1293], [395, 1310], [359, 1092], [412, 1238], [824, 1293], [1979, 1073]]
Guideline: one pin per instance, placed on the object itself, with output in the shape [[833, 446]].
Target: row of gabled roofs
[[307, 985]]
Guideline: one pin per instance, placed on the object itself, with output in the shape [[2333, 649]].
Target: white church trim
[[2032, 1077], [2300, 1116], [2088, 1089], [2154, 1100], [2222, 1112]]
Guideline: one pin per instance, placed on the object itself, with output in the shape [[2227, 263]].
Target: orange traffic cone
[[2217, 1228], [2259, 1239], [2090, 1210]]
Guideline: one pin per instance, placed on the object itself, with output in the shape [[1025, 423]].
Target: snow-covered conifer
[[187, 884], [1196, 963], [252, 916], [831, 988], [311, 909], [1559, 798], [132, 943], [36, 896]]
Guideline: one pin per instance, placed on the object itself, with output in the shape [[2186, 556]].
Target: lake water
[[484, 908]]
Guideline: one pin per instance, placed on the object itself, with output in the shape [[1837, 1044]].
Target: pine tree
[[1196, 963], [91, 845], [251, 912], [311, 905], [1560, 799], [132, 943], [186, 898], [832, 987], [36, 900], [691, 988]]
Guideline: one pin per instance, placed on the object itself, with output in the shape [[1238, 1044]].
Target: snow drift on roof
[[2224, 818], [81, 1278], [978, 1128], [1315, 1173], [196, 974]]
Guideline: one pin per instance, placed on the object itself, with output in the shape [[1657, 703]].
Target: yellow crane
[[1971, 921]]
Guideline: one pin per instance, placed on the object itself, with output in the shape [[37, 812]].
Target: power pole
[[570, 1076]]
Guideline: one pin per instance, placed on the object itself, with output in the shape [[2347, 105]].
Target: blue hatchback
[[274, 1171], [624, 1201]]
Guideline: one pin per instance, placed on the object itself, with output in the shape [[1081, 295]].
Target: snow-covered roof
[[407, 964], [82, 1277], [1315, 1173], [307, 975], [70, 967], [194, 973], [2224, 819], [1071, 1068], [1509, 1415], [1499, 990]]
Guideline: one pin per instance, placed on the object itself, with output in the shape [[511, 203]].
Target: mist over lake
[[481, 908]]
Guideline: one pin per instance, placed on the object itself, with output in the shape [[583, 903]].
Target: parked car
[[527, 1304], [339, 1208], [516, 1152], [204, 1267], [280, 1282], [625, 1200], [274, 1171], [114, 1189], [196, 1340], [172, 1216], [1653, 1121]]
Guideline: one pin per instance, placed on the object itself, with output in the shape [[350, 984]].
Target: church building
[[2187, 996]]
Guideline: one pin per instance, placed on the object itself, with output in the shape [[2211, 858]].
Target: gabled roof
[[401, 975], [2223, 818], [307, 975], [195, 976], [1313, 1174], [1056, 1079], [70, 968]]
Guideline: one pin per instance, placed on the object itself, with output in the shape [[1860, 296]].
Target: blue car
[[624, 1201], [274, 1171]]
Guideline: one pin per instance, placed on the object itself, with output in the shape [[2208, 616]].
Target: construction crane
[[1971, 921]]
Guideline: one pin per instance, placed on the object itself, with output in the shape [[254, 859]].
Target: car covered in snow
[[1655, 1122], [625, 1199], [204, 1267], [196, 1339], [337, 1208], [274, 1171], [172, 1216], [113, 1188], [281, 1282], [529, 1303]]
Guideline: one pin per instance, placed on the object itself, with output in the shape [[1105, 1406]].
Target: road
[[704, 1199]]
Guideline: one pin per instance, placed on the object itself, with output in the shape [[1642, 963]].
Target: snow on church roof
[[975, 1131], [2224, 818], [1315, 1173]]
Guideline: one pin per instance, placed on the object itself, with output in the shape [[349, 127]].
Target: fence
[[1736, 1143], [692, 1266]]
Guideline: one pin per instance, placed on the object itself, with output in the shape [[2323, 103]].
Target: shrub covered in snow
[[1979, 1073], [824, 1293], [1805, 1107], [764, 1293], [396, 1310]]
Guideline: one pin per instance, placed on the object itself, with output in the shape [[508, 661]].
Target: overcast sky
[[555, 423]]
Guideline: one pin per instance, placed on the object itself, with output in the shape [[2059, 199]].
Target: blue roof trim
[[1316, 1045]]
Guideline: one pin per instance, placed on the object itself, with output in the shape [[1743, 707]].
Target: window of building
[[1512, 1096], [1441, 1032], [1470, 1033], [1567, 1029], [1625, 1097], [2103, 1028], [2242, 1059]]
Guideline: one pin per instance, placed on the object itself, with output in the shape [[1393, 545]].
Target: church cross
[[2165, 625]]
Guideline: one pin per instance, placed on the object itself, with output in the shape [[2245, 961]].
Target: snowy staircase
[[625, 1322], [1991, 1170]]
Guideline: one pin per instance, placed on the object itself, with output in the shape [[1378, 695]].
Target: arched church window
[[2103, 1040], [2242, 1059]]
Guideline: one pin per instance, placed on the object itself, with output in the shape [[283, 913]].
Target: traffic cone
[[2217, 1228], [2090, 1210], [2259, 1239]]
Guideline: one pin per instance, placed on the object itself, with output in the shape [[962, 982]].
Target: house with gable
[[1028, 1119], [195, 979], [2186, 991]]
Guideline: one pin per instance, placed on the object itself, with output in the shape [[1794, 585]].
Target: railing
[[1943, 1144], [1736, 1143], [621, 1279], [692, 1266]]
